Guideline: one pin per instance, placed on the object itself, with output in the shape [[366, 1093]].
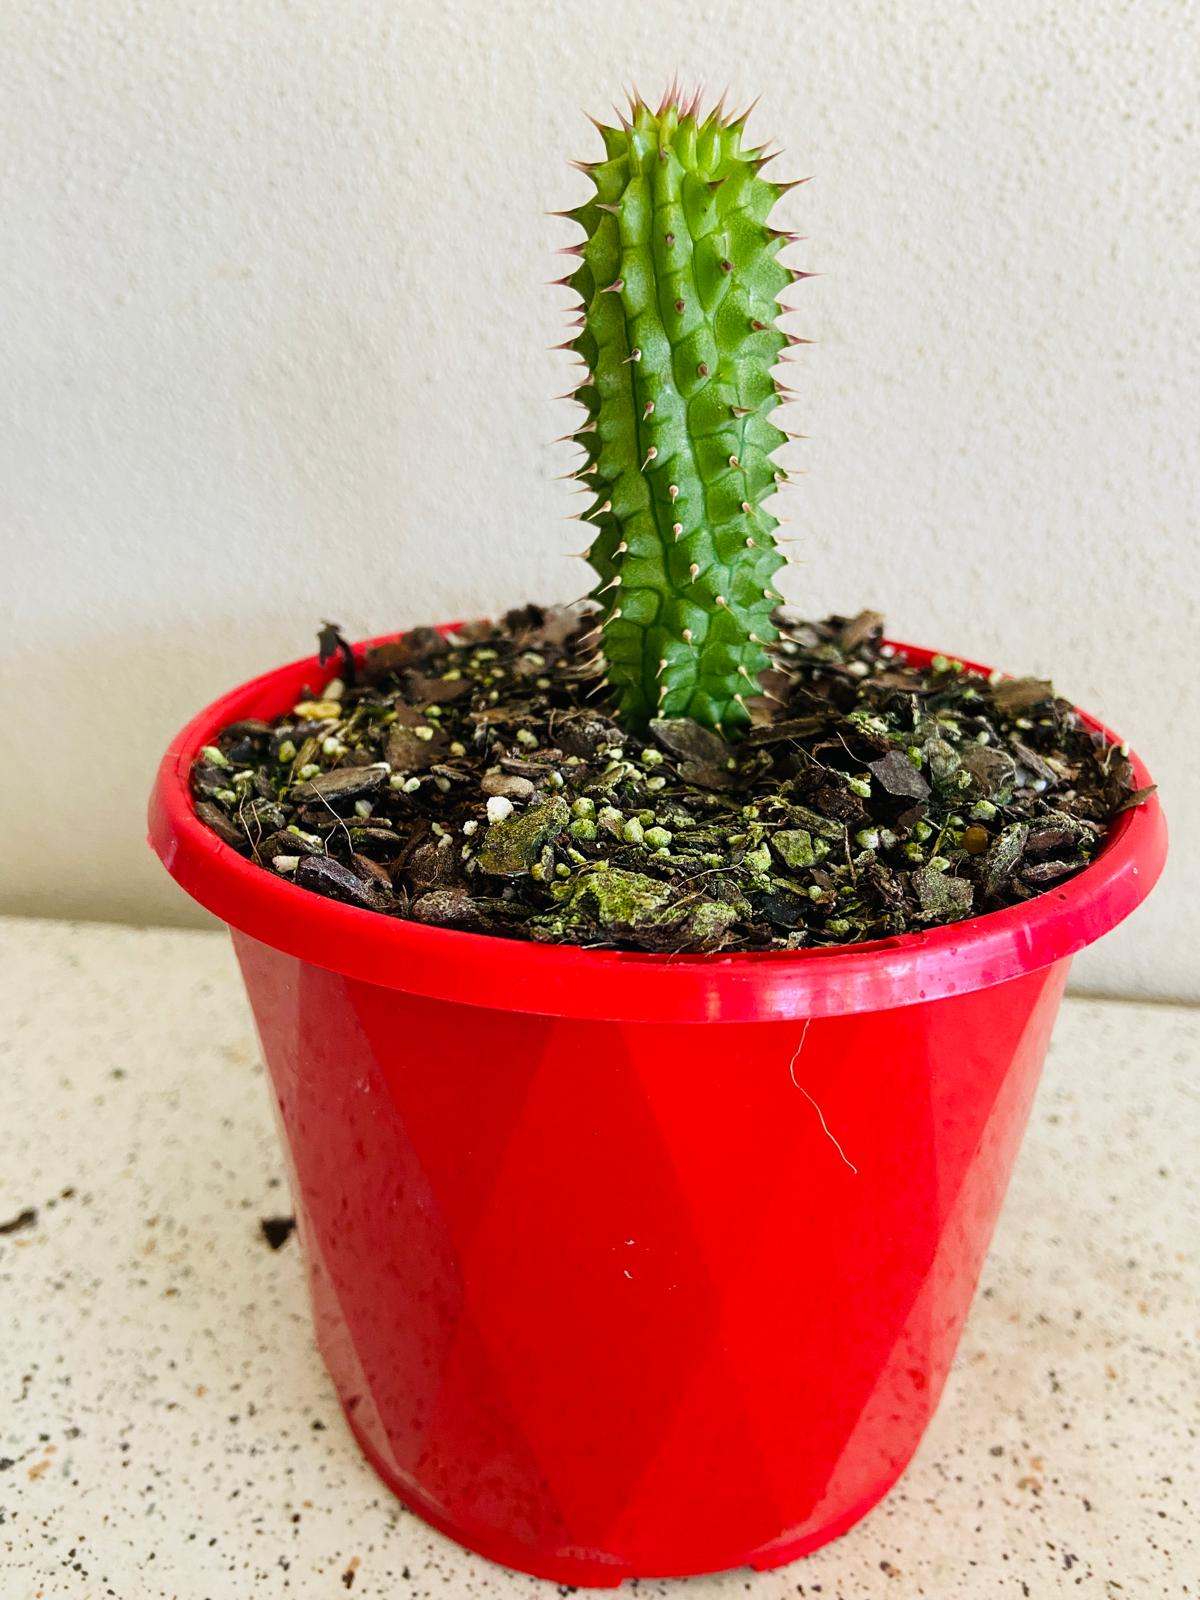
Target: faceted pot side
[[614, 1299], [606, 1290]]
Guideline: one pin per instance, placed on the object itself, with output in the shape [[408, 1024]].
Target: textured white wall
[[274, 321]]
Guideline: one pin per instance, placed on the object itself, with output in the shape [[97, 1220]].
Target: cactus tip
[[743, 117]]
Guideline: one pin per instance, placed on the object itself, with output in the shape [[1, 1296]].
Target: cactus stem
[[709, 207]]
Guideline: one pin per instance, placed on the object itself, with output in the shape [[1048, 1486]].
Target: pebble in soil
[[474, 780]]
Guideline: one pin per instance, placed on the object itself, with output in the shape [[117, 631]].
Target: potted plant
[[654, 991]]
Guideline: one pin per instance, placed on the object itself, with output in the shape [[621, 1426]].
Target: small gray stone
[[343, 783], [508, 785], [896, 773], [1004, 856], [330, 878], [224, 828]]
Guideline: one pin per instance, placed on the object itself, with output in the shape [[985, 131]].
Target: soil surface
[[475, 782]]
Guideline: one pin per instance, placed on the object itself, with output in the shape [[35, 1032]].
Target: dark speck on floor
[[22, 1220], [277, 1230]]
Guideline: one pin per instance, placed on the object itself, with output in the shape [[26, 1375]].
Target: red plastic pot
[[605, 1292]]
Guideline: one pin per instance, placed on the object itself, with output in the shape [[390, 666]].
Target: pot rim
[[561, 980]]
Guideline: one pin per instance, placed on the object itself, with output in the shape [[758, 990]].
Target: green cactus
[[679, 280]]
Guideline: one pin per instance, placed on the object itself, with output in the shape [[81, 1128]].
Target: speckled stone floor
[[166, 1428]]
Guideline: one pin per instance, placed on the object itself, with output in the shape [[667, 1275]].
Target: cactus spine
[[679, 280]]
